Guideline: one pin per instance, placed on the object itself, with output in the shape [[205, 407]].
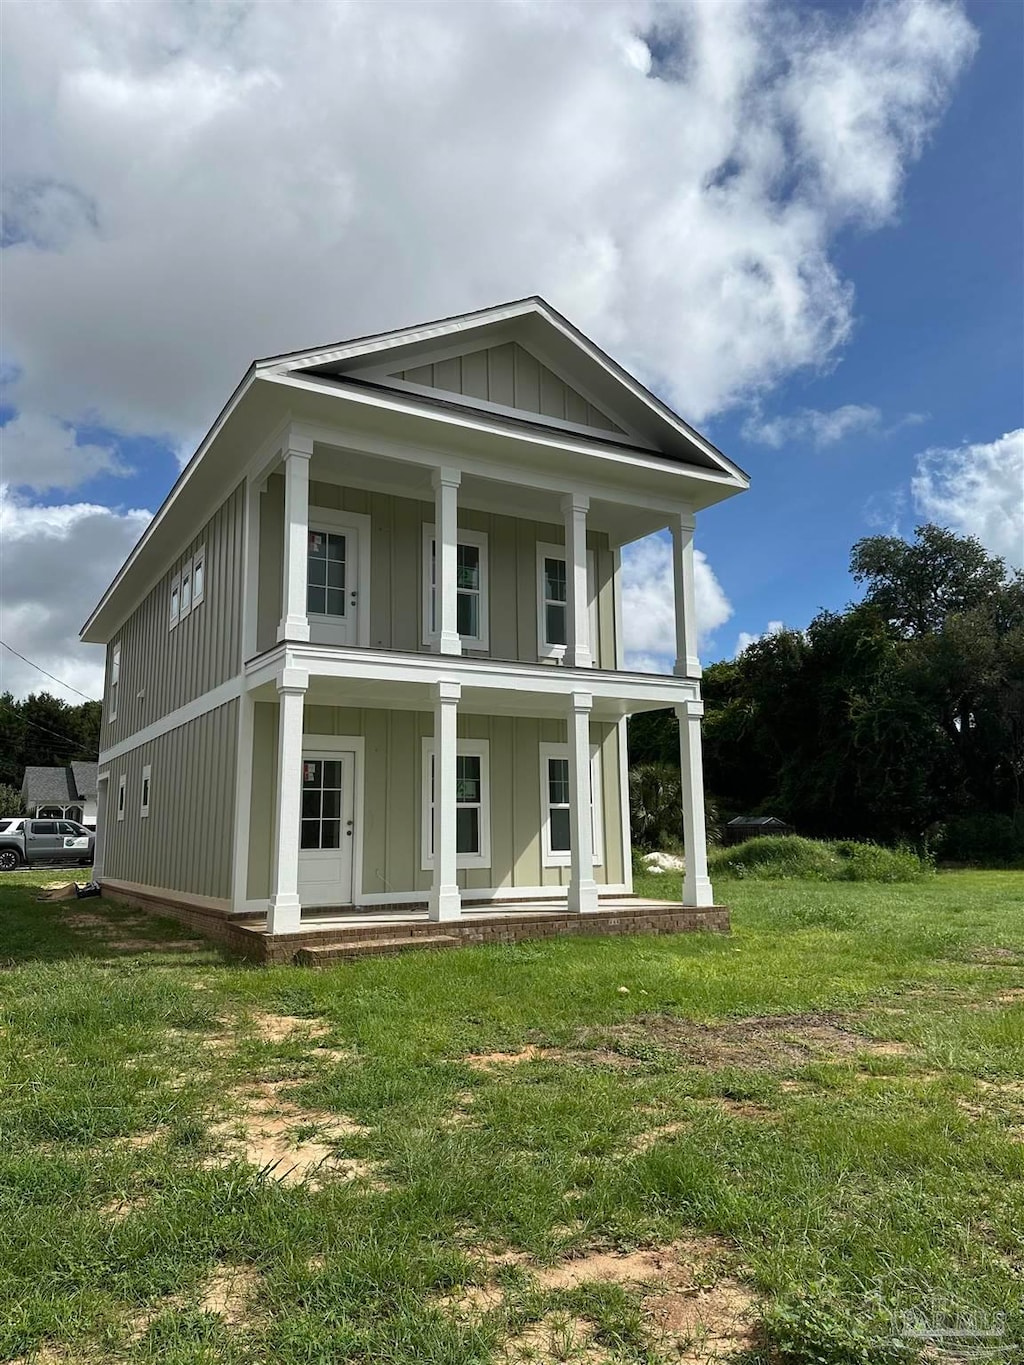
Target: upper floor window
[[115, 680], [471, 605], [188, 587], [553, 601], [326, 567], [122, 788], [147, 772]]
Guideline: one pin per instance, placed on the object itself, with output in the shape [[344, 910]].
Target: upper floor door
[[333, 587]]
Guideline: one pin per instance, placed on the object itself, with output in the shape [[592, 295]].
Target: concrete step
[[344, 949]]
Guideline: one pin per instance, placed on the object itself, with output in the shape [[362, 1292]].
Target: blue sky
[[803, 226]]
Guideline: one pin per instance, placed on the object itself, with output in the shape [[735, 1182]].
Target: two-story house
[[368, 655]]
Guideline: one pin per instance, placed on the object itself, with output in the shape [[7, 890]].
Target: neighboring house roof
[[43, 785], [84, 777], [59, 786], [761, 821]]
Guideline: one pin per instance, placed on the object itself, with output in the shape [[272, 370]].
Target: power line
[[43, 670], [75, 743]]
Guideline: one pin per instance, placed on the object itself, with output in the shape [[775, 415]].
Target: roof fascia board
[[177, 487], [391, 341], [392, 401]]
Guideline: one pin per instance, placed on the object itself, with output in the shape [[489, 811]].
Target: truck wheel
[[9, 859]]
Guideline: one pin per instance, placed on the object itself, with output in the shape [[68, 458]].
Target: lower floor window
[[556, 795], [321, 803], [472, 804]]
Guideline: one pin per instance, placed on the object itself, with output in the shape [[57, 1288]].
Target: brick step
[[373, 947]]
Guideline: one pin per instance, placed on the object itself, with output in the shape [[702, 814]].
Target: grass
[[825, 1110], [790, 857]]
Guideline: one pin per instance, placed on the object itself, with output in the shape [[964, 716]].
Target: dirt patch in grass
[[282, 1028], [557, 1339], [533, 1052], [765, 1043], [703, 1324], [228, 1292], [112, 935], [292, 1144]]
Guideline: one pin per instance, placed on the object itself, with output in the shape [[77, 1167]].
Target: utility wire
[[31, 664], [75, 743]]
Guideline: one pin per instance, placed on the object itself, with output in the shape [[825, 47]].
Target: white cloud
[[818, 428], [977, 489], [40, 453], [55, 563], [746, 638], [648, 603], [195, 185]]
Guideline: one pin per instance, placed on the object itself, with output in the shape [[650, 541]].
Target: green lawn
[[779, 1145]]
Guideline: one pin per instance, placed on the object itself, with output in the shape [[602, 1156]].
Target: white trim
[[465, 537], [548, 550], [330, 519], [145, 790], [251, 567], [465, 748], [626, 831], [198, 706], [243, 801], [620, 644], [115, 681], [563, 858], [122, 795]]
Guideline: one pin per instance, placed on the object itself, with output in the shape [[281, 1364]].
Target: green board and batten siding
[[393, 792], [511, 376], [185, 843], [396, 567], [163, 669]]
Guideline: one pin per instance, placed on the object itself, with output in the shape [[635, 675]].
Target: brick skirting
[[492, 927]]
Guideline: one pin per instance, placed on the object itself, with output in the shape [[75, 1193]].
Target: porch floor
[[328, 933]]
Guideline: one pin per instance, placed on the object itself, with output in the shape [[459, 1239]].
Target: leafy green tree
[[10, 801]]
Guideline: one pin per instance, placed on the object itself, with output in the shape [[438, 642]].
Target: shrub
[[986, 839], [656, 807], [790, 857]]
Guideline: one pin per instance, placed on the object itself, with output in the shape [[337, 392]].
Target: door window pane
[[321, 803], [325, 573]]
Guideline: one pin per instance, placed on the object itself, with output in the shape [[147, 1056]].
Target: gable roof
[[83, 778], [569, 369], [47, 784], [62, 786]]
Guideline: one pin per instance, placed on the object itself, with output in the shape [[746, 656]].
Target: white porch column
[[446, 550], [284, 914], [445, 899], [687, 659], [582, 887], [696, 886], [296, 455], [577, 650]]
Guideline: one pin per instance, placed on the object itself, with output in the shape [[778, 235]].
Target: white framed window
[[471, 599], [199, 575], [175, 607], [186, 590], [146, 776], [472, 804], [554, 805], [122, 790], [327, 572], [115, 680], [553, 601]]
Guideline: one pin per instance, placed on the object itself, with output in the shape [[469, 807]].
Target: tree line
[[43, 731], [898, 719]]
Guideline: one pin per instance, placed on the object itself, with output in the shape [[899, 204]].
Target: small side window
[[115, 680], [186, 590], [146, 774], [199, 575], [175, 615], [122, 789]]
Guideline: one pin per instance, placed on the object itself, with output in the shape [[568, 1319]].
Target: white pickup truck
[[44, 841]]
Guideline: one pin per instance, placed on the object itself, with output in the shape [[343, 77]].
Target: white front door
[[332, 580], [327, 831]]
